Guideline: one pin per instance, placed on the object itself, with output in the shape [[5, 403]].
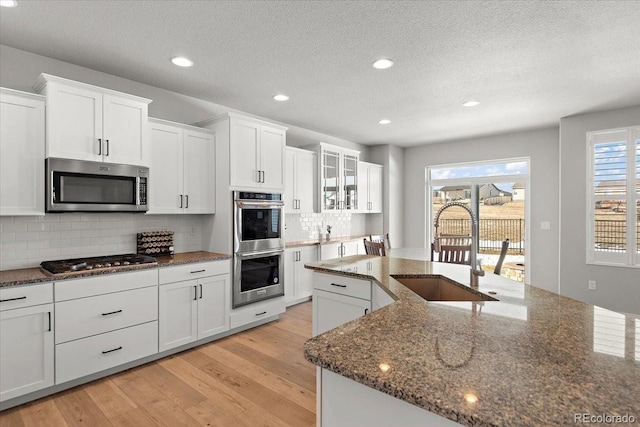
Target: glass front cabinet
[[338, 178]]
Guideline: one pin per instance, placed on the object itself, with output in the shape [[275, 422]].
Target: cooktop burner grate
[[109, 261]]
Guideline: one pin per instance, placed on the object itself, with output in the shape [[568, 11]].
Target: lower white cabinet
[[339, 249], [257, 311], [338, 300], [26, 350], [298, 281], [193, 309]]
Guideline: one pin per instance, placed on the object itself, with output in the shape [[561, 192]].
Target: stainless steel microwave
[[83, 186]]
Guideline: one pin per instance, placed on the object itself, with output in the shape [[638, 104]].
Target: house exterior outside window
[[613, 194]]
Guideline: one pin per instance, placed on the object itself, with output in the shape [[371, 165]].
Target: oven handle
[[259, 254], [259, 205]]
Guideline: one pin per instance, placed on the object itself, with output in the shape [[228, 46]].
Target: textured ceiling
[[529, 63]]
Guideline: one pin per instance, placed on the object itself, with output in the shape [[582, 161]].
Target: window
[[613, 223]]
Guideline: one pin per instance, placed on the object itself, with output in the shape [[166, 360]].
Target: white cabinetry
[[194, 308], [105, 321], [86, 122], [298, 281], [21, 153], [338, 300], [301, 174], [339, 249], [26, 340], [369, 187], [338, 178], [182, 169]]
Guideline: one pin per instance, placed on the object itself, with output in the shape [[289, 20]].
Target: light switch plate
[[545, 225], [592, 285]]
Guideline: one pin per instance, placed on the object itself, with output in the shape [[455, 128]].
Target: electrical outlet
[[592, 285], [192, 232], [545, 225]]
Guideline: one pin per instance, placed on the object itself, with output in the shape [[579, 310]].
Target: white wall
[[392, 158], [618, 288], [541, 146]]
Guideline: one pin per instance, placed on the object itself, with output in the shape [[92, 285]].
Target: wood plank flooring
[[257, 378]]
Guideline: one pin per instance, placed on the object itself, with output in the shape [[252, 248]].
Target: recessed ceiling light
[[281, 97], [8, 3], [181, 61], [471, 103], [383, 64], [384, 121]]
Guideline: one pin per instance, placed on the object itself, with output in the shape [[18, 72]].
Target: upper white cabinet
[[255, 149], [369, 187], [301, 169], [22, 129], [86, 122], [338, 178], [182, 169]]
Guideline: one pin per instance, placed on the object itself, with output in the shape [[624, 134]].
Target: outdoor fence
[[491, 233], [610, 235]]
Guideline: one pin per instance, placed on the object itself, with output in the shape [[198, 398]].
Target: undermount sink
[[437, 288]]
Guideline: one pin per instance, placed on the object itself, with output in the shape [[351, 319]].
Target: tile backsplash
[[27, 241], [314, 225]]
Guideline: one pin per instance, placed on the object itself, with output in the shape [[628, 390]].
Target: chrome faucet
[[476, 270]]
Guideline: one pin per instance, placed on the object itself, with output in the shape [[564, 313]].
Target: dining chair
[[381, 238], [453, 254], [374, 248], [503, 254]]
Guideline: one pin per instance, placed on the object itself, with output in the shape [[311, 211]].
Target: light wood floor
[[255, 378]]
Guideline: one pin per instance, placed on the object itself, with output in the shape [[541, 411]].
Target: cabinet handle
[[261, 313], [107, 141], [299, 203], [112, 350], [49, 314], [12, 299], [112, 312], [200, 291], [99, 146], [181, 201], [198, 271], [366, 310], [187, 205], [258, 171], [338, 285], [195, 292]]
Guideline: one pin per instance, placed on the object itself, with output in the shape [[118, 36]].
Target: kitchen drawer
[[256, 311], [342, 285], [78, 358], [380, 298], [105, 284], [25, 296], [84, 317], [194, 271]]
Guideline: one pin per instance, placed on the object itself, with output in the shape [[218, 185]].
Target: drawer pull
[[338, 285], [198, 271], [112, 312], [262, 313], [111, 351], [12, 299]]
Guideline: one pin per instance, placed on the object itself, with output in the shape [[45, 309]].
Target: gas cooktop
[[93, 263]]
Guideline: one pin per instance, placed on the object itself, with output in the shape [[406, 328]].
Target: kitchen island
[[530, 358]]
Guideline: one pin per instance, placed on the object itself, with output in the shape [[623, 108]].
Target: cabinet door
[[350, 193], [350, 248], [125, 131], [290, 195], [304, 276], [74, 123], [244, 152], [330, 185], [332, 310], [363, 187], [199, 172], [178, 314], [26, 350], [306, 181], [330, 251], [213, 295], [165, 172], [290, 266], [272, 147], [21, 155], [375, 189]]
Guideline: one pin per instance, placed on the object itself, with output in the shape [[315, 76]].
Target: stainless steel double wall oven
[[258, 222]]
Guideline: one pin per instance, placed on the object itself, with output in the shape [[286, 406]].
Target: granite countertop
[[528, 358], [26, 276], [312, 242]]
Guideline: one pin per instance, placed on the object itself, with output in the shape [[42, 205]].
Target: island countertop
[[532, 358]]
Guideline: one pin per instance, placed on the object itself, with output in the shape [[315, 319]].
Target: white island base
[[343, 402]]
